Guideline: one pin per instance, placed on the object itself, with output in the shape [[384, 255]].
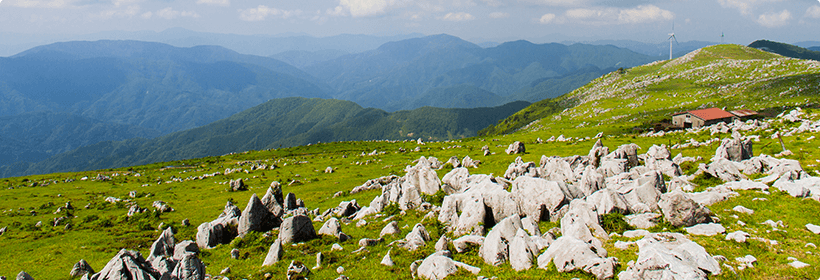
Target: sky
[[741, 21]]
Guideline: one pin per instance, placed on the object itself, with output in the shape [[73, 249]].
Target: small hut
[[702, 117]]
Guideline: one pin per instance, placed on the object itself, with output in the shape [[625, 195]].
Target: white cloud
[[147, 15], [745, 7], [499, 15], [458, 17], [775, 19], [262, 12], [52, 4], [564, 3], [170, 13], [364, 8], [609, 15], [813, 11], [644, 13], [547, 18], [223, 3], [127, 12]]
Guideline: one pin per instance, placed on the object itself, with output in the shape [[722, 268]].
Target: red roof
[[709, 114]]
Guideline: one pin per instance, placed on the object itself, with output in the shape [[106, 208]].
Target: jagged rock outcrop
[[332, 227], [680, 210], [81, 268], [256, 217], [516, 148], [273, 199], [537, 198], [296, 229], [189, 268], [127, 265], [274, 253], [670, 256]]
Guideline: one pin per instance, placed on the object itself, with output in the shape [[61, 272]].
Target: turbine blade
[[676, 39]]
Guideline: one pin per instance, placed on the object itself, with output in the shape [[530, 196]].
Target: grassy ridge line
[[729, 76]]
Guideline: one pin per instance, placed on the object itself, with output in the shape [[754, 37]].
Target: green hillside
[[274, 124], [728, 76]]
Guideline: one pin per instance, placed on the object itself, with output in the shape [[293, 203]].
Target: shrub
[[391, 209], [614, 222], [435, 199]]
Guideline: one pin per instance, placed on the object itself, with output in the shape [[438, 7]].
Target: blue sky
[[742, 21]]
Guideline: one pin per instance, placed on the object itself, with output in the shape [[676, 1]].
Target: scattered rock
[[81, 268], [387, 261], [746, 261], [319, 258], [813, 228], [189, 268], [163, 246], [297, 270], [737, 236], [238, 185], [235, 254], [441, 244], [336, 247], [516, 148], [209, 235], [569, 253], [127, 263], [256, 217], [274, 253], [225, 271], [333, 228], [24, 276], [390, 229], [184, 248], [706, 229], [680, 210], [462, 243], [296, 229], [670, 255], [744, 210], [416, 238]]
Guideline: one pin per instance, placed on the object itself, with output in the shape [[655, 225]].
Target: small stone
[[744, 210], [813, 228], [798, 264], [340, 270], [225, 271], [387, 261], [235, 254], [319, 258], [336, 247], [811, 245], [186, 222]]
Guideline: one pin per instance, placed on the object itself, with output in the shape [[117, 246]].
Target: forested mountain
[[785, 49], [35, 136], [151, 85], [273, 124], [401, 75]]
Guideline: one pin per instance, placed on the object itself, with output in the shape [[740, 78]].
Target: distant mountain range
[[404, 74], [273, 124]]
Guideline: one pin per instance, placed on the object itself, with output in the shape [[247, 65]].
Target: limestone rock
[[734, 149], [472, 216], [436, 267], [209, 235], [706, 229], [608, 201], [521, 251], [462, 243], [537, 198], [296, 229], [680, 210], [744, 210], [256, 217], [442, 243], [81, 268], [455, 181], [274, 253], [390, 229], [495, 249], [387, 261], [416, 238], [516, 148], [569, 253], [332, 227], [184, 248], [290, 202], [297, 270], [273, 200], [423, 177], [813, 228], [238, 185], [643, 221], [24, 276], [670, 255], [189, 268], [738, 236], [127, 265], [164, 245]]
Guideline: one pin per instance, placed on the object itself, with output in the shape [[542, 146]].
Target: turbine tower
[[671, 38]]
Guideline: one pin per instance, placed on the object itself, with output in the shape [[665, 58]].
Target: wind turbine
[[672, 37]]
